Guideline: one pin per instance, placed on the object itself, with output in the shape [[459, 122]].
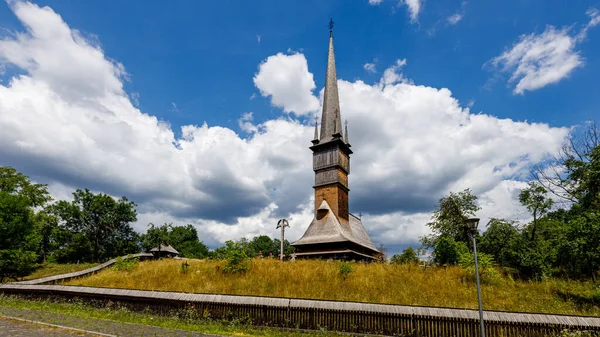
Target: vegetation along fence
[[330, 315]]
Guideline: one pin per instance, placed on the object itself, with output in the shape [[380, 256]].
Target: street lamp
[[471, 225], [283, 223]]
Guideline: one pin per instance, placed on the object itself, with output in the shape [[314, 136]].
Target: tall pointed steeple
[[334, 232], [331, 120]]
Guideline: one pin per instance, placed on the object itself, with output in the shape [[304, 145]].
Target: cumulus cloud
[[67, 121], [286, 79], [391, 74], [538, 60], [375, 2]]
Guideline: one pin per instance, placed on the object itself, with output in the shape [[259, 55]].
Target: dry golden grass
[[377, 283], [52, 269]]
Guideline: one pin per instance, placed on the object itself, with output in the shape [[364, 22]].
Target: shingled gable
[[326, 228]]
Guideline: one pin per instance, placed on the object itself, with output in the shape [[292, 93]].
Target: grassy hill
[[377, 283]]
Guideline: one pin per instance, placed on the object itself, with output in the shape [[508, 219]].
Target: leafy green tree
[[500, 237], [265, 245], [15, 183], [46, 225], [103, 221], [535, 200], [156, 236], [185, 240], [408, 255], [19, 199], [449, 217], [581, 250], [242, 245]]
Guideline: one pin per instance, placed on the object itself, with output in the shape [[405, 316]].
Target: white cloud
[[258, 38], [375, 2], [68, 122], [370, 67], [245, 123], [391, 75], [414, 7], [286, 79], [538, 60], [453, 19]]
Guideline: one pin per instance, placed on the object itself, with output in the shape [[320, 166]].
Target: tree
[[581, 250], [185, 240], [535, 200], [572, 174], [240, 247], [449, 217], [103, 221], [15, 183], [18, 200], [265, 245], [45, 224], [156, 237], [499, 238], [409, 255]]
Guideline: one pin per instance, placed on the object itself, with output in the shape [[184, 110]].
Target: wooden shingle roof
[[329, 229]]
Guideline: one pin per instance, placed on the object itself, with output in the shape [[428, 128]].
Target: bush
[[345, 270], [448, 251], [184, 267], [15, 263], [237, 262], [485, 262], [127, 264]]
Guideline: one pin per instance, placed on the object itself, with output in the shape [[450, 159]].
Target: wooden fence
[[330, 315], [81, 273]]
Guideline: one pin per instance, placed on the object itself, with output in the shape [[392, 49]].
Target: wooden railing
[[81, 273], [329, 315]]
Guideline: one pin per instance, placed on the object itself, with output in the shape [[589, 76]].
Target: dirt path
[[21, 329]]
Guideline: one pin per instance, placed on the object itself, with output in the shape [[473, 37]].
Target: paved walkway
[[21, 329], [106, 327]]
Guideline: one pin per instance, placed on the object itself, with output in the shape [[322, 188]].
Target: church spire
[[316, 138], [331, 121], [346, 133]]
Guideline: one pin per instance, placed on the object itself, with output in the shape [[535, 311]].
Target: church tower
[[334, 231], [331, 154]]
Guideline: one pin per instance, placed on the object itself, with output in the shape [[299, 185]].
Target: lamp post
[[471, 225], [283, 223]]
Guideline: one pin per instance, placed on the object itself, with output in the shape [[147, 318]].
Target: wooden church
[[334, 232]]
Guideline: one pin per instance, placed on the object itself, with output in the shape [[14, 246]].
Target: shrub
[[448, 251], [127, 264], [237, 262], [184, 267], [15, 263], [485, 262], [345, 269]]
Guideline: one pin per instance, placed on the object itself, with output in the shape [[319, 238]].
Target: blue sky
[[201, 55], [191, 62]]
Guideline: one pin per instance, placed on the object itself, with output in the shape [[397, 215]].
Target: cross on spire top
[[331, 24]]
